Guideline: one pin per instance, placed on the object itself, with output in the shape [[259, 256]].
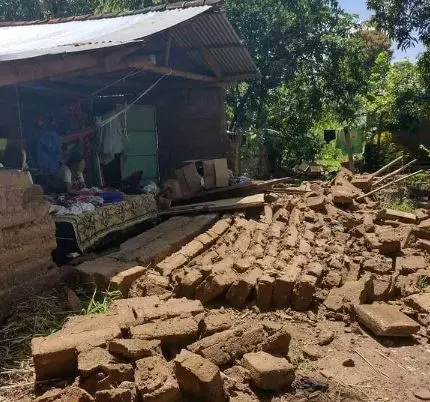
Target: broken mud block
[[192, 249], [56, 355], [268, 372], [284, 285], [243, 242], [172, 332], [264, 292], [149, 284], [242, 265], [333, 279], [293, 236], [155, 381], [316, 203], [363, 182], [278, 343], [423, 244], [225, 347], [395, 215], [342, 195], [275, 229], [124, 279], [187, 284], [241, 289], [381, 287], [351, 293], [99, 360], [120, 394], [71, 393], [425, 224], [215, 285], [385, 320], [198, 378], [410, 264], [419, 302], [267, 216], [315, 269], [281, 215], [221, 226], [149, 309], [216, 321], [134, 348], [92, 360], [256, 251], [303, 292], [170, 264], [379, 264]]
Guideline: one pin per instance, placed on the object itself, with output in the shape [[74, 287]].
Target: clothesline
[[129, 106]]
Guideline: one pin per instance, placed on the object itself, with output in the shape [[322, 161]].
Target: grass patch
[[39, 315], [95, 306], [405, 205], [422, 282]]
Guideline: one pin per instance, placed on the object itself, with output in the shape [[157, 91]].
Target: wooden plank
[[230, 204], [146, 65], [16, 72], [38, 68], [235, 190]]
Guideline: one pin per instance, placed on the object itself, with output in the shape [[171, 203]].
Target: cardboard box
[[209, 174], [189, 179], [221, 172], [172, 189]]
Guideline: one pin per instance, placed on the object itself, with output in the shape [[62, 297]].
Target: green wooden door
[[141, 146]]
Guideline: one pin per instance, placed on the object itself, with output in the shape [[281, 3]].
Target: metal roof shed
[[148, 39]]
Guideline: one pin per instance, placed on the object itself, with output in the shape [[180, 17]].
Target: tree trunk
[[349, 148]]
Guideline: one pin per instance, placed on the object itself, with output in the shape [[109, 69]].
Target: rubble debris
[[422, 394], [419, 302], [320, 250], [326, 337], [71, 393], [155, 380], [385, 320], [269, 372], [198, 378]]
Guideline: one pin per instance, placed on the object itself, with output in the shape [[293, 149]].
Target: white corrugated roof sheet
[[27, 41]]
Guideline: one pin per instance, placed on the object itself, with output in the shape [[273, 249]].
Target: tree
[[404, 20]]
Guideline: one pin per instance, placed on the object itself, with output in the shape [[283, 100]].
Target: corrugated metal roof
[[27, 41], [77, 34]]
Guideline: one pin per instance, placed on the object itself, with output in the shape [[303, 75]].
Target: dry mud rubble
[[319, 284]]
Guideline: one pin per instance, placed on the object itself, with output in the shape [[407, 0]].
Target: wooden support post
[[389, 184], [386, 167], [400, 170]]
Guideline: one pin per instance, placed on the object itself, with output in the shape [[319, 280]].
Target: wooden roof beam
[[147, 65], [207, 55]]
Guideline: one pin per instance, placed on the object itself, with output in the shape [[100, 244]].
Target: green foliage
[[403, 20], [98, 305], [405, 205], [422, 282]]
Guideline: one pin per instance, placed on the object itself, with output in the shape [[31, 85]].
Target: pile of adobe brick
[[27, 234], [322, 249], [157, 349]]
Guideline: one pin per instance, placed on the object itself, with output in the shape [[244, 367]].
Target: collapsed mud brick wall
[[27, 235], [180, 333]]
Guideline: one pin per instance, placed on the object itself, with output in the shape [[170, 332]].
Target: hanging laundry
[[111, 138]]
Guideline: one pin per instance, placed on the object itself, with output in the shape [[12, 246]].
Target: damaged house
[[113, 101]]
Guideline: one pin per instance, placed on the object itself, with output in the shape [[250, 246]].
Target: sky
[[359, 7]]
